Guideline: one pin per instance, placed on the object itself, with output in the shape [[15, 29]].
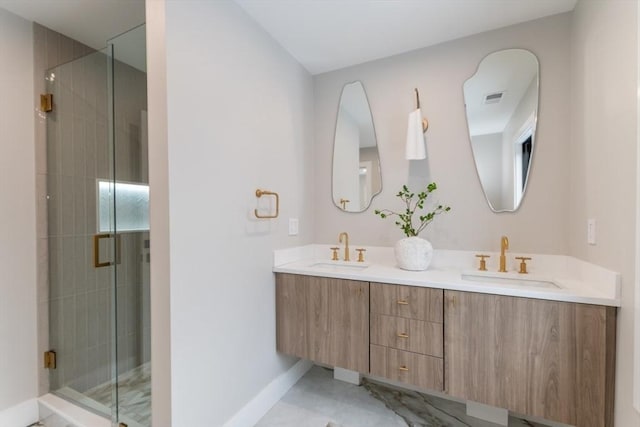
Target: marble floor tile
[[134, 395], [317, 400], [423, 410]]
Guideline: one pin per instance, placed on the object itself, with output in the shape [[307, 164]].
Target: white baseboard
[[269, 396], [72, 413], [21, 415], [347, 375], [488, 413]]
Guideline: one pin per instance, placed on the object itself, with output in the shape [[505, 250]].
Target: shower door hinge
[[46, 102], [50, 359]]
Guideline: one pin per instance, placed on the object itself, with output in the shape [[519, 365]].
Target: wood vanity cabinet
[[407, 334], [549, 359], [322, 319], [543, 358]]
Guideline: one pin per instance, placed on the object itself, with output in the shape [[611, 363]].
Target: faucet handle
[[483, 262], [360, 254], [334, 257], [523, 264]]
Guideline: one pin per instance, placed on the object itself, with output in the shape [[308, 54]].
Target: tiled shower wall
[[72, 153]]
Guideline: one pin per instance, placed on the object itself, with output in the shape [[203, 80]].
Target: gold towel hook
[[260, 193], [425, 122]]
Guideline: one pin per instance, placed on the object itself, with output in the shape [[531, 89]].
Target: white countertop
[[575, 280]]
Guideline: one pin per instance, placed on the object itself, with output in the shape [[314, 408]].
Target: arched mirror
[[356, 163], [501, 101]]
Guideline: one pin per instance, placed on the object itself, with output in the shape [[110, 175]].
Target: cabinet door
[[324, 320], [544, 358]]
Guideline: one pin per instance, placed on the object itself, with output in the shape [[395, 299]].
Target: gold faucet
[[346, 244], [504, 245]]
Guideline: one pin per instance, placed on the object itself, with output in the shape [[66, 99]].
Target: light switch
[[293, 226]]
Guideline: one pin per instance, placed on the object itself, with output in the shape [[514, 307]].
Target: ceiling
[[91, 22], [323, 35]]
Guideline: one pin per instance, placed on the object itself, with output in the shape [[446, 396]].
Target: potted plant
[[413, 252]]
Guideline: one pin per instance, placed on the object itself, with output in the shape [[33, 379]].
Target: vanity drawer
[[412, 335], [410, 368], [412, 302]]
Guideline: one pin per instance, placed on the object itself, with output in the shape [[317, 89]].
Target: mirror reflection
[[501, 102], [356, 162]]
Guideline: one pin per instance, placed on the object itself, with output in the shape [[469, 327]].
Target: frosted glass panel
[[132, 207]]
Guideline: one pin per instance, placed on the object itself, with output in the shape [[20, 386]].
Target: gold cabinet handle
[[402, 335], [403, 302], [403, 368], [96, 249]]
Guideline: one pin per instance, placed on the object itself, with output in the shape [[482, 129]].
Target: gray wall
[[439, 72], [18, 357], [604, 96]]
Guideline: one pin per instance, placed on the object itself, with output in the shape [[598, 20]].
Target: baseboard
[[20, 415], [269, 396], [72, 413]]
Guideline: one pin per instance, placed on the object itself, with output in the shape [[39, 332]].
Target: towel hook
[[425, 122]]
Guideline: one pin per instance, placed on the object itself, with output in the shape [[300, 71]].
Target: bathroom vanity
[[544, 352]]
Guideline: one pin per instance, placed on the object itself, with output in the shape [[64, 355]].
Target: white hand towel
[[415, 137]]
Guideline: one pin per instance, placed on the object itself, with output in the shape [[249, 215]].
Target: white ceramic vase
[[413, 253]]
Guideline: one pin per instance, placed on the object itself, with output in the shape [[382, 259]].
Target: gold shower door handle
[[96, 249]]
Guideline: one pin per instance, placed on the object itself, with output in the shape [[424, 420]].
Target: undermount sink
[[509, 279], [340, 265]]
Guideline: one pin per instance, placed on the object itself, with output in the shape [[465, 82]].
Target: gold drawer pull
[[402, 335], [403, 368], [403, 302]]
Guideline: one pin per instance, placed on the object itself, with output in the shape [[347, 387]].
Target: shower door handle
[[96, 249]]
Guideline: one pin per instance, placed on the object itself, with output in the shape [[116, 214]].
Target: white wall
[[603, 160], [18, 335], [439, 72], [159, 214], [637, 270], [240, 113]]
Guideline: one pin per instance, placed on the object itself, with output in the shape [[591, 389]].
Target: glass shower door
[[82, 253], [98, 233], [133, 324]]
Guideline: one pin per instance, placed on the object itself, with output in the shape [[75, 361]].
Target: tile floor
[[317, 400], [134, 395]]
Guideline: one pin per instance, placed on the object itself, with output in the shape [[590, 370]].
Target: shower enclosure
[[98, 231]]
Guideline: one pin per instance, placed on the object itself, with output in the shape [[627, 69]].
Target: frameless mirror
[[356, 163], [501, 101]]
